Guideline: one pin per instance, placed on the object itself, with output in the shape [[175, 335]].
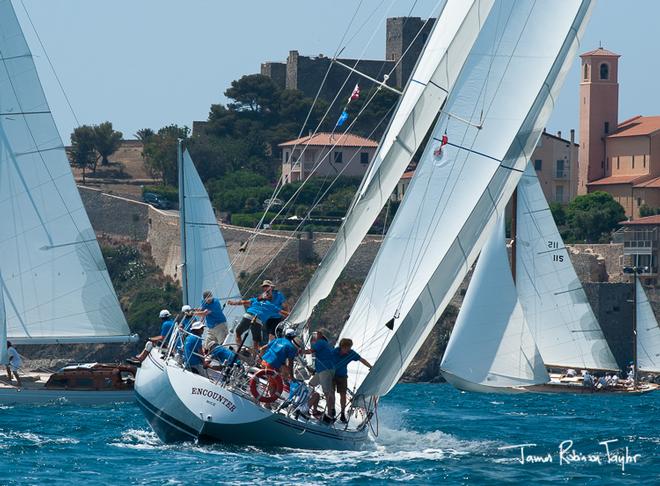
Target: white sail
[[207, 263], [556, 307], [508, 86], [491, 344], [435, 73], [648, 333], [56, 285]]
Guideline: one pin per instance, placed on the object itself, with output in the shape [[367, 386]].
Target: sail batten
[[207, 262], [54, 279], [556, 307], [648, 333], [508, 83], [433, 77]]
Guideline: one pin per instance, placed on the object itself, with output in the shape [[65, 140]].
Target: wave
[[36, 439]]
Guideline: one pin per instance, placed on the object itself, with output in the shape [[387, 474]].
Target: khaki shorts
[[341, 383], [324, 378]]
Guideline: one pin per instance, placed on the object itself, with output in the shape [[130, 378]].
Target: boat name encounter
[[215, 396]]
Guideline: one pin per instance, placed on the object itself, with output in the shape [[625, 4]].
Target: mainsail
[[507, 87], [55, 283], [556, 307], [433, 77], [648, 332], [4, 359], [206, 262], [491, 344]]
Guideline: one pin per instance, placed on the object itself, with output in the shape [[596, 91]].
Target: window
[[560, 172], [639, 201], [632, 163], [586, 72], [364, 157], [607, 127], [604, 71], [618, 165], [339, 157], [286, 156], [538, 164], [559, 194]]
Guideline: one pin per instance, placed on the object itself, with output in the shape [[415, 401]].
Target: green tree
[[144, 134], [83, 153], [592, 217], [106, 140], [558, 213], [253, 92], [160, 153]]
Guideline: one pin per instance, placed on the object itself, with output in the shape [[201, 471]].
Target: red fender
[[274, 387]]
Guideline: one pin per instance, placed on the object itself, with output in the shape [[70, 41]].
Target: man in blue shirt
[[276, 309], [185, 320], [192, 348], [324, 372], [216, 322], [253, 320], [344, 355], [279, 354], [166, 329]]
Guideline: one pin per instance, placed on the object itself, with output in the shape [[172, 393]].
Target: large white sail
[[207, 263], [507, 86], [4, 358], [556, 307], [648, 333], [491, 344], [56, 285], [435, 73]]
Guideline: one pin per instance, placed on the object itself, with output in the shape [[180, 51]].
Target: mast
[[634, 319], [182, 221], [514, 231]]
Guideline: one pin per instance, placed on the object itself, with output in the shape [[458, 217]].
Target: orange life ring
[[273, 388]]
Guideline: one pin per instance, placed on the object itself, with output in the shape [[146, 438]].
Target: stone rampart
[[115, 215]]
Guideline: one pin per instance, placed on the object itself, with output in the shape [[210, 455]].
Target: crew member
[[192, 348], [324, 372], [216, 322], [166, 329], [279, 354], [14, 363], [252, 320], [344, 355], [275, 309]]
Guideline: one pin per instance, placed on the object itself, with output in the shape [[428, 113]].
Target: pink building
[[622, 159], [326, 154]]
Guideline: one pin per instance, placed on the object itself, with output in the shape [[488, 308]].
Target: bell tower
[[599, 113]]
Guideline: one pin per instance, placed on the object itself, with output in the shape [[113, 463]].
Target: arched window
[[604, 71], [586, 72]]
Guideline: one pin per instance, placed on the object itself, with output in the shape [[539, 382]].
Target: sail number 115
[[554, 245]]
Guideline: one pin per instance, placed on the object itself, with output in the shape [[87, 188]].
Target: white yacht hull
[[468, 386], [182, 406]]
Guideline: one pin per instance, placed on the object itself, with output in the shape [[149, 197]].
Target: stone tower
[[599, 112], [404, 33]]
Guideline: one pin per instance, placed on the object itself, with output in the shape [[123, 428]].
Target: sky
[[149, 63]]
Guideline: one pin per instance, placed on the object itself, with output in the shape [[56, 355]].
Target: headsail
[[556, 307], [434, 75], [56, 285], [648, 333], [207, 263], [508, 85], [491, 344]]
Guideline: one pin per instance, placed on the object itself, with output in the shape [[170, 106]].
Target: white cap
[[291, 332], [197, 325], [164, 313], [186, 308]]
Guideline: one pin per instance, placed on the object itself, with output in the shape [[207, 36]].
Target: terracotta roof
[[601, 51], [636, 126], [650, 183], [623, 179], [329, 139], [646, 220], [408, 175]]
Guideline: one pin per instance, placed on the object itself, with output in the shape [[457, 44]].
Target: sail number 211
[[554, 245]]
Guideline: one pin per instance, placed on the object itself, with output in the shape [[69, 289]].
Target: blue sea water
[[428, 434]]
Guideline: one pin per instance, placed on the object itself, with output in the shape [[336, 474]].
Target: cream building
[[555, 160], [326, 154]]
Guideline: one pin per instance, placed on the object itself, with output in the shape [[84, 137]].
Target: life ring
[[271, 391]]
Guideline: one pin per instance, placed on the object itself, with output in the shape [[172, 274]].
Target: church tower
[[599, 113]]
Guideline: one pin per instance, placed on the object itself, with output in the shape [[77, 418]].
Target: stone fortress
[[403, 35]]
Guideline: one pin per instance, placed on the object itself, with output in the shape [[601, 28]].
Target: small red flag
[[355, 94]]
